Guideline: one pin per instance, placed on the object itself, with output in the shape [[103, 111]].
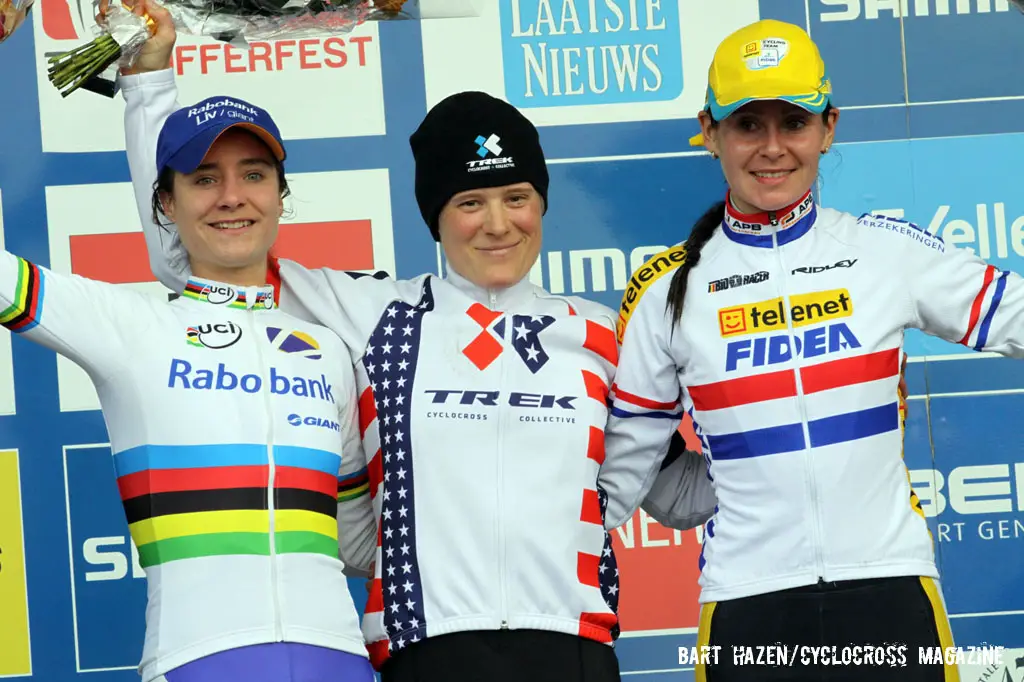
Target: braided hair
[[702, 231]]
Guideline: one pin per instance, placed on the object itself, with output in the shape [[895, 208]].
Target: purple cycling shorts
[[276, 662]]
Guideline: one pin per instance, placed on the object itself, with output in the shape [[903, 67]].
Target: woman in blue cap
[[778, 326], [232, 424]]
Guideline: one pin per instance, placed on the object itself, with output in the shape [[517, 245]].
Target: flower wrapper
[[12, 15], [93, 66]]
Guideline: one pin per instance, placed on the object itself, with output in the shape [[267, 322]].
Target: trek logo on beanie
[[488, 146], [472, 140]]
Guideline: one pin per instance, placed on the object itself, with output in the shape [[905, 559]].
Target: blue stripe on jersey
[[222, 455], [775, 440], [987, 323], [854, 425], [619, 412], [757, 443], [307, 458]]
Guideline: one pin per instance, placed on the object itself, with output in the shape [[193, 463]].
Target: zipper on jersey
[[812, 485], [272, 531], [500, 483]]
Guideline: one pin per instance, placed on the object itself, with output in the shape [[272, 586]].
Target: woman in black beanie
[[483, 403]]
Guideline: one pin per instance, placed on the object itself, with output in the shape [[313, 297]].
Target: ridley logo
[[815, 269]]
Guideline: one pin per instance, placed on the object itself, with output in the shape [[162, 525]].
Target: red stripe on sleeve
[[367, 411], [595, 445], [375, 471], [591, 512], [640, 401], [596, 387], [587, 568], [990, 273], [601, 340]]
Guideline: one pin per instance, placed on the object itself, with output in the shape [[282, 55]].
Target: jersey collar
[[218, 293], [756, 229], [500, 299]]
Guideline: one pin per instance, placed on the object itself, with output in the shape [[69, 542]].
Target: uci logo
[[215, 336], [220, 295]]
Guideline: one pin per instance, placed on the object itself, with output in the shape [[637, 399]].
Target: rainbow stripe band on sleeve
[[24, 313], [354, 485]]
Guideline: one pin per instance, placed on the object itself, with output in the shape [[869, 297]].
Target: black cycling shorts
[[503, 656], [857, 630]]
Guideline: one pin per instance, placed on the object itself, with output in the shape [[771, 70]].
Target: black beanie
[[472, 140]]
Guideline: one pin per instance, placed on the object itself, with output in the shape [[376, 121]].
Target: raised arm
[[151, 96], [149, 99]]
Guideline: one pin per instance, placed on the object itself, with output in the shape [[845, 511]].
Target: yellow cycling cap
[[767, 60]]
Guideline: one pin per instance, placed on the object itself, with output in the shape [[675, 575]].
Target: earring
[[825, 150], [714, 155]]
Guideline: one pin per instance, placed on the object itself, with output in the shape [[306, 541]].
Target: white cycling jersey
[[236, 450], [483, 416], [787, 357]]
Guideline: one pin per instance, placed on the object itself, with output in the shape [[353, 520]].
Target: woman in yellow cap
[[778, 326]]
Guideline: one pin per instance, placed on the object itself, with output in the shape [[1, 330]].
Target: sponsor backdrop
[[932, 106]]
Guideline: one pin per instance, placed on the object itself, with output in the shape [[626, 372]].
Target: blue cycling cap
[[189, 132]]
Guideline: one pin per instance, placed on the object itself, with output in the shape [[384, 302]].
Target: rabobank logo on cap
[[211, 110], [189, 132], [582, 52], [490, 152]]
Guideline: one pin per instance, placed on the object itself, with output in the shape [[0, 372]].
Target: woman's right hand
[[156, 53]]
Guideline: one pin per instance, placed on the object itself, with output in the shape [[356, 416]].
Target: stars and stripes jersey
[[236, 453], [483, 413], [787, 358]]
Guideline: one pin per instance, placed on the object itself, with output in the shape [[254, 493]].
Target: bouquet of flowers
[[12, 15], [124, 32]]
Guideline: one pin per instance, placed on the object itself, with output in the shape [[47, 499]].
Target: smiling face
[[227, 211], [770, 151], [492, 236]]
